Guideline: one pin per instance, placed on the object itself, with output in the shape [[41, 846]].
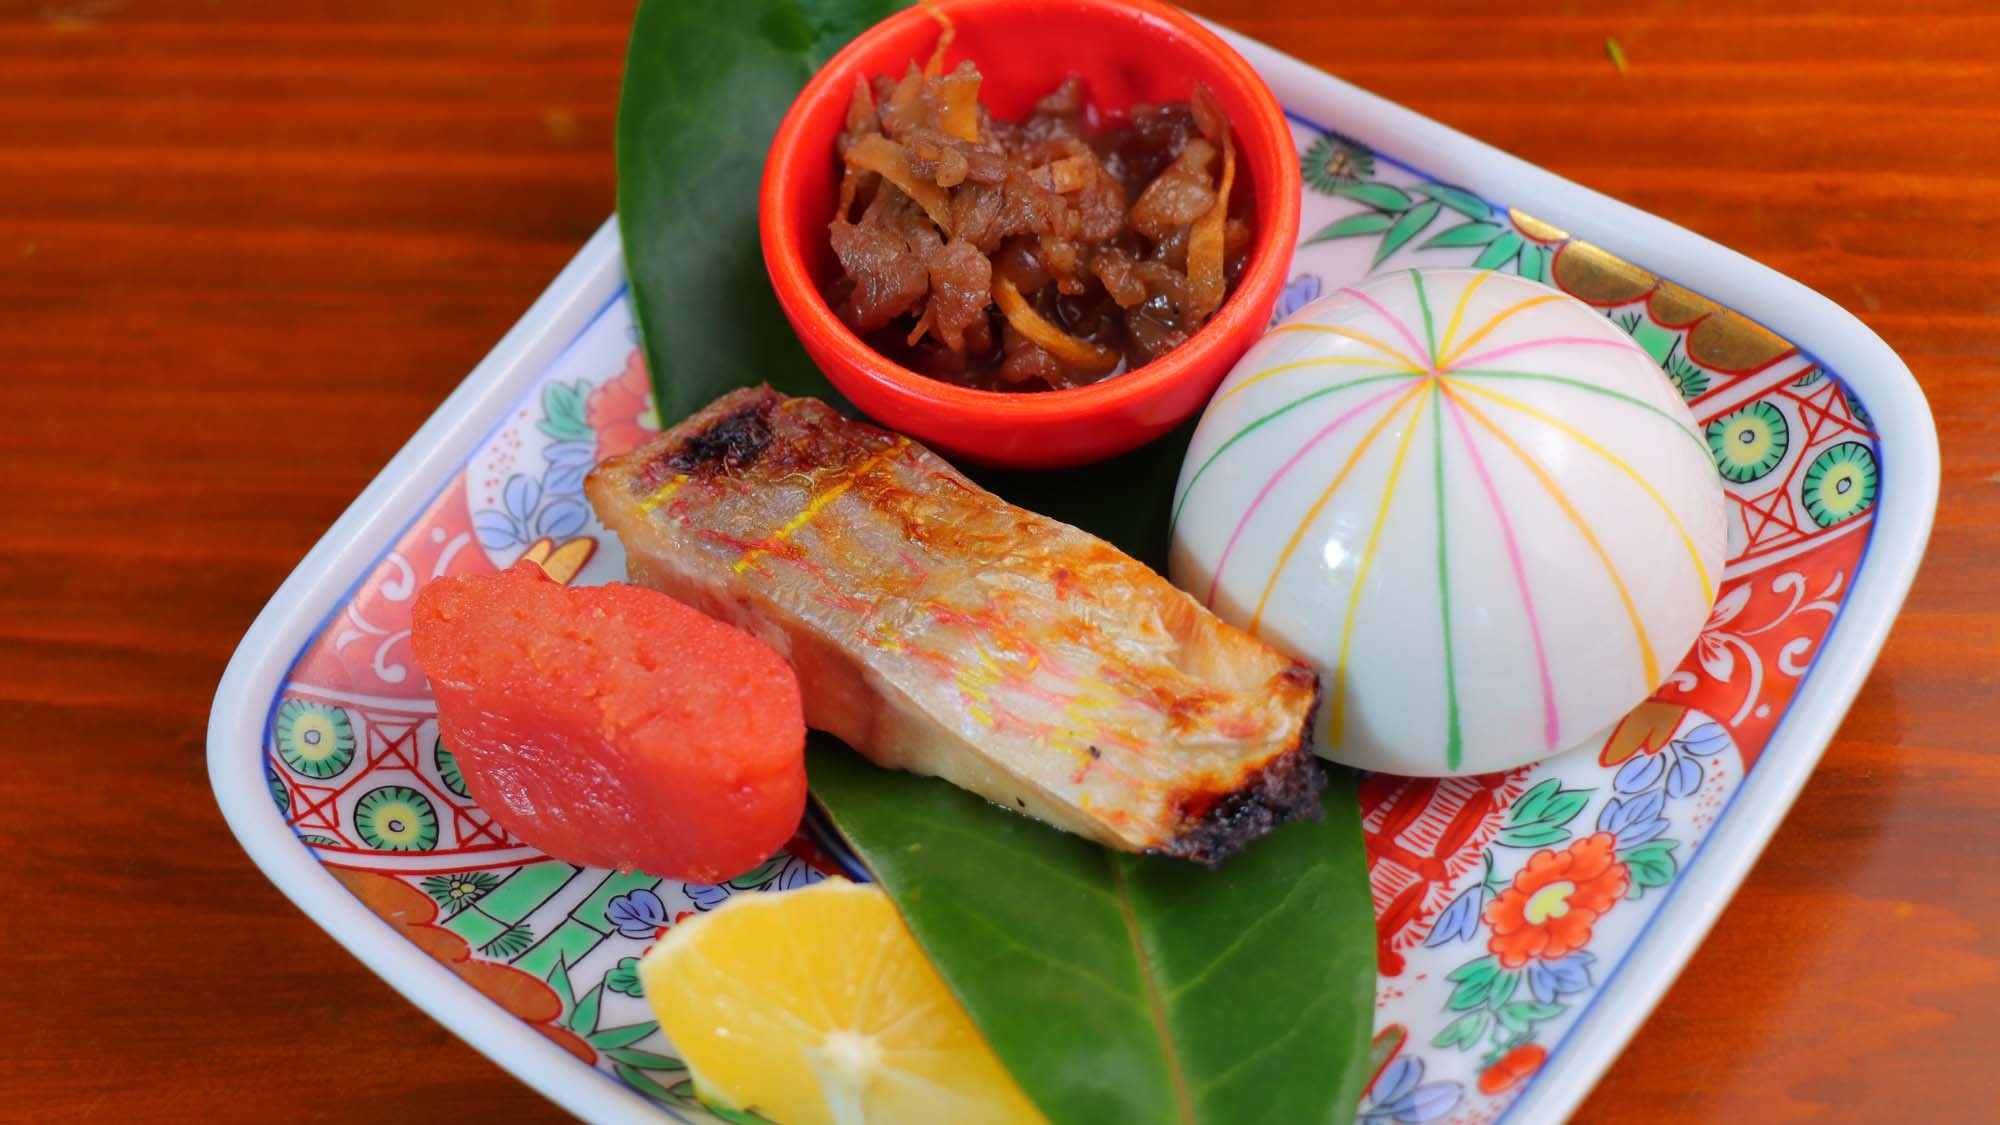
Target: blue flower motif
[[1396, 1079], [497, 530], [1397, 1097], [1685, 778], [1640, 774], [1460, 920], [1634, 820], [1550, 979], [562, 518], [521, 495], [569, 462], [797, 874], [1297, 294], [637, 914], [706, 896], [1706, 740]]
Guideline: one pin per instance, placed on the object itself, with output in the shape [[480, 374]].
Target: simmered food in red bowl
[[1052, 252], [1100, 208]]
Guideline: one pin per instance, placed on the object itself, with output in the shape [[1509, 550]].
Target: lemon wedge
[[816, 1007]]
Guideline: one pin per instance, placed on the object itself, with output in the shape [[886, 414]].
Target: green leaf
[[705, 87], [1481, 969], [1464, 1032], [584, 1019], [1382, 197], [1364, 222], [1532, 836], [565, 417], [1458, 199], [1413, 221], [510, 941], [1535, 263], [624, 977], [621, 1036], [639, 1080], [559, 980], [1498, 252], [1503, 988], [1475, 982], [1132, 988], [1528, 809], [1563, 807], [1522, 1014], [1652, 865], [647, 1059], [1464, 234]]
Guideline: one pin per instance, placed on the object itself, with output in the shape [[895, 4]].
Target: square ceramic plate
[[324, 754]]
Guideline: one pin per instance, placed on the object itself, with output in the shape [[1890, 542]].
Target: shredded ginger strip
[[877, 153], [1206, 239], [1080, 354]]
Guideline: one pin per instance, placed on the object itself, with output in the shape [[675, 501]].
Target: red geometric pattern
[[1770, 509], [1421, 835]]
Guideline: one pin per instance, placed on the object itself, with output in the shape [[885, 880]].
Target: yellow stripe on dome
[[1358, 337], [1337, 718], [1312, 513], [1499, 318], [1583, 439], [1458, 313], [1323, 361], [1649, 664]]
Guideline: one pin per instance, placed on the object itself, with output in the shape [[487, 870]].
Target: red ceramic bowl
[[1126, 52]]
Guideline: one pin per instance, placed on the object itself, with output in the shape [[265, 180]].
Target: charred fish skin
[[936, 628]]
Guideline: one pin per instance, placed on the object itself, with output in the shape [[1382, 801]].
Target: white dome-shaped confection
[[1471, 501]]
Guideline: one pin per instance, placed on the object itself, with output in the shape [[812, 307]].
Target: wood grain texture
[[246, 248]]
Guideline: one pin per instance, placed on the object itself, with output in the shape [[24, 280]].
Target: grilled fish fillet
[[936, 628]]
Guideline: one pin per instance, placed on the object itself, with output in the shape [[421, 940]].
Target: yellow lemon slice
[[816, 1007]]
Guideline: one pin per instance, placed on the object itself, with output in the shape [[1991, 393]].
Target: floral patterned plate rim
[[1509, 906]]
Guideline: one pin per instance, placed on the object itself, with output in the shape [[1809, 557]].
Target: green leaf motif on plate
[[1409, 226], [624, 977], [1464, 234], [1498, 252], [1651, 865], [1382, 197], [1465, 1031], [1365, 222], [563, 412], [625, 1036], [1522, 1014], [1475, 982], [1197, 992], [1458, 199], [584, 1019]]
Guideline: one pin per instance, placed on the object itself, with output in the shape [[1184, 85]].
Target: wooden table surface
[[245, 248]]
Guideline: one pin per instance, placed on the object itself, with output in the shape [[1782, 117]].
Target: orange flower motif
[[1555, 899], [621, 411], [1513, 1068]]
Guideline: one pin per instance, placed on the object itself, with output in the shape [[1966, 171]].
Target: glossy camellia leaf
[[1132, 988], [705, 87]]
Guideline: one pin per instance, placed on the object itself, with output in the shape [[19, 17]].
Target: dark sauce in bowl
[[1036, 255]]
